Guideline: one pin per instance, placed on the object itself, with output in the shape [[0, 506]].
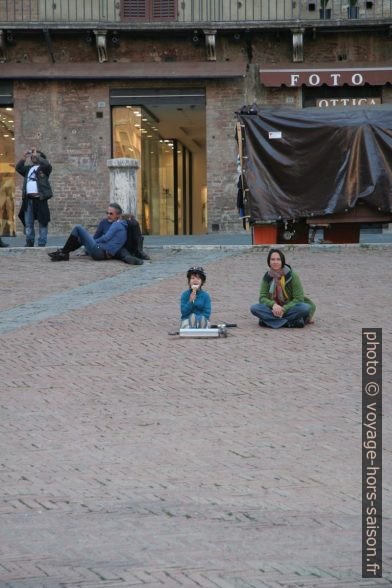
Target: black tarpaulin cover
[[302, 163]]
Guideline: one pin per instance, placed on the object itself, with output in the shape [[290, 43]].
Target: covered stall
[[315, 167]]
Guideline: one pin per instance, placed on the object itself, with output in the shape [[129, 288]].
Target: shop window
[[163, 187], [7, 172], [149, 10]]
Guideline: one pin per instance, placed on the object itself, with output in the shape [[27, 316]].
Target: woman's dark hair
[[280, 253]]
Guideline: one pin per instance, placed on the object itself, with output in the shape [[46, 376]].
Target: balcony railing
[[211, 12]]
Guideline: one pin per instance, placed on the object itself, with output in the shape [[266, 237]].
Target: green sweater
[[294, 291]]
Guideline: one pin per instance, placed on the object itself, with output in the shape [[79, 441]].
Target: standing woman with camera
[[35, 195]]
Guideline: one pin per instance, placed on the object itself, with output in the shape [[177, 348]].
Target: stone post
[[123, 183]]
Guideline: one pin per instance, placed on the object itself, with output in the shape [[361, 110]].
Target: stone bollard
[[123, 183]]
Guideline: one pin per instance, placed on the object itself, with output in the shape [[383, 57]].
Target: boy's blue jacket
[[200, 307]]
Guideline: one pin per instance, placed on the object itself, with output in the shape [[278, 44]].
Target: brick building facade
[[63, 101]]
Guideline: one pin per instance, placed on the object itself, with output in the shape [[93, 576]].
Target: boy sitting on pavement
[[195, 302]]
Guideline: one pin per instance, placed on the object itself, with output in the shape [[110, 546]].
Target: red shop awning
[[331, 75]]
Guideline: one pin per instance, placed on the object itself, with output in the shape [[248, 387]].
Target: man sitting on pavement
[[109, 241], [104, 247], [132, 251]]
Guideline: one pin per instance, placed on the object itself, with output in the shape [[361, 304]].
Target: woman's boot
[[126, 257], [139, 252]]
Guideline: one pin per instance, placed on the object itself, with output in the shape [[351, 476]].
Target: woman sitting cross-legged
[[282, 302]]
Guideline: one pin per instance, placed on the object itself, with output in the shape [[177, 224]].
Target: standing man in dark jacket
[[35, 195]]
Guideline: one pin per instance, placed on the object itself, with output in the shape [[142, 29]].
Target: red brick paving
[[131, 458]]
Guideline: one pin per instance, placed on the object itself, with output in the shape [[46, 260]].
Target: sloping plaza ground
[[134, 459]]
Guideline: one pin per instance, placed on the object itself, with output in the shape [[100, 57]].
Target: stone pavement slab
[[243, 237], [131, 458]]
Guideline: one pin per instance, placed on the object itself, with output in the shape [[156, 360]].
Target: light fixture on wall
[[195, 38], [115, 38]]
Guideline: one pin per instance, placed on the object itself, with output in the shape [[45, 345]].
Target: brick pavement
[[131, 458]]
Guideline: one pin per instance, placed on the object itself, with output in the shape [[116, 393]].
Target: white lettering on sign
[[294, 79], [335, 79], [314, 79], [357, 79], [333, 102]]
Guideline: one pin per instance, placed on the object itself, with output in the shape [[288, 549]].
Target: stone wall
[[68, 121], [60, 119]]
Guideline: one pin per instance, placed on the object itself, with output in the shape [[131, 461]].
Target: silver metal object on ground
[[220, 331]]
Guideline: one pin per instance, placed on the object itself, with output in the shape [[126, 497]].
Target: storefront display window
[[163, 186], [7, 172]]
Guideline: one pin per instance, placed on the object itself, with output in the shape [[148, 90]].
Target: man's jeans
[[94, 249], [296, 313], [29, 226]]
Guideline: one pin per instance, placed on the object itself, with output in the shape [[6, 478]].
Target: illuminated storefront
[[164, 177], [7, 172]]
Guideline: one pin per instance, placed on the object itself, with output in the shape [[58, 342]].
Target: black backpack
[[134, 233]]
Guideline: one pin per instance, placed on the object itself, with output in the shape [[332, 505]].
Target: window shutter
[[163, 10], [134, 9], [149, 10]]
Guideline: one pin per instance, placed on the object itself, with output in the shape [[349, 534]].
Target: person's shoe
[[2, 244], [133, 260], [54, 253], [142, 255], [60, 256], [42, 245], [262, 323], [297, 324], [139, 252], [29, 243]]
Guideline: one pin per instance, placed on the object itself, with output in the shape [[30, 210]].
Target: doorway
[[165, 131]]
